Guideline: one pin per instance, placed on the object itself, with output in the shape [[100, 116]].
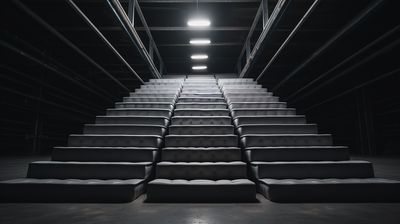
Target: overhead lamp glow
[[200, 41], [199, 56], [199, 67], [199, 22]]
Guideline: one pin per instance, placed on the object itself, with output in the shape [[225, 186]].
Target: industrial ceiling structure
[[57, 55]]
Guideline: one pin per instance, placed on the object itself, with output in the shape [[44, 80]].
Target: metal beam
[[131, 11], [265, 13], [388, 74], [104, 39], [275, 16], [331, 41], [51, 68], [164, 28], [200, 1], [67, 42], [353, 66], [289, 38], [360, 51], [123, 19]]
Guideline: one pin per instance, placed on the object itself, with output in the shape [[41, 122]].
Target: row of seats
[[112, 160], [290, 160], [201, 161]]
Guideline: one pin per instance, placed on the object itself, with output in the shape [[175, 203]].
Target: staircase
[[290, 160], [201, 161], [200, 139], [111, 161]]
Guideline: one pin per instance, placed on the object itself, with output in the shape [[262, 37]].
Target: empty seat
[[139, 112], [263, 112], [158, 105], [151, 120], [277, 129], [201, 120], [128, 129], [261, 119], [201, 170], [201, 140], [149, 99], [201, 154], [89, 170], [201, 112], [256, 140], [201, 105], [200, 129], [115, 140], [104, 154], [313, 169], [201, 99], [331, 190], [297, 153], [237, 105], [70, 190]]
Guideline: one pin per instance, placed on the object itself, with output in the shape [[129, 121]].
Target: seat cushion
[[70, 190], [331, 190], [201, 190]]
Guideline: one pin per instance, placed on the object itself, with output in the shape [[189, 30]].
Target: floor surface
[[138, 212]]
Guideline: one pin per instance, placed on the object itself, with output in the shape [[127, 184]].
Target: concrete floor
[[265, 212]]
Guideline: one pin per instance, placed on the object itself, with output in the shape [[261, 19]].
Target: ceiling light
[[198, 22], [200, 41], [199, 56], [199, 67]]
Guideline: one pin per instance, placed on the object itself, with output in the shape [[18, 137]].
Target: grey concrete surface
[[137, 212]]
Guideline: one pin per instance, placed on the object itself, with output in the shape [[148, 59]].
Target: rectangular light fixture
[[199, 67], [199, 22], [200, 41], [199, 56]]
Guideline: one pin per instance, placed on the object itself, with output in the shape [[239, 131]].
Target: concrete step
[[139, 112], [201, 112], [115, 140], [144, 95], [175, 80], [201, 91], [201, 95], [158, 105], [89, 170], [331, 190], [297, 153], [249, 105], [150, 120], [201, 120], [313, 169], [104, 154], [201, 129], [201, 99], [265, 99], [149, 99], [241, 86], [201, 190], [70, 190], [245, 90], [127, 129], [201, 170], [157, 91], [277, 129], [247, 94], [201, 154], [263, 111], [257, 140], [201, 141], [260, 119], [201, 106]]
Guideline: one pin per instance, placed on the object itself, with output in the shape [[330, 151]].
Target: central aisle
[[201, 160]]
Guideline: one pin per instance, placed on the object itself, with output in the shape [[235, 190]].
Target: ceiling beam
[[200, 1], [162, 28]]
